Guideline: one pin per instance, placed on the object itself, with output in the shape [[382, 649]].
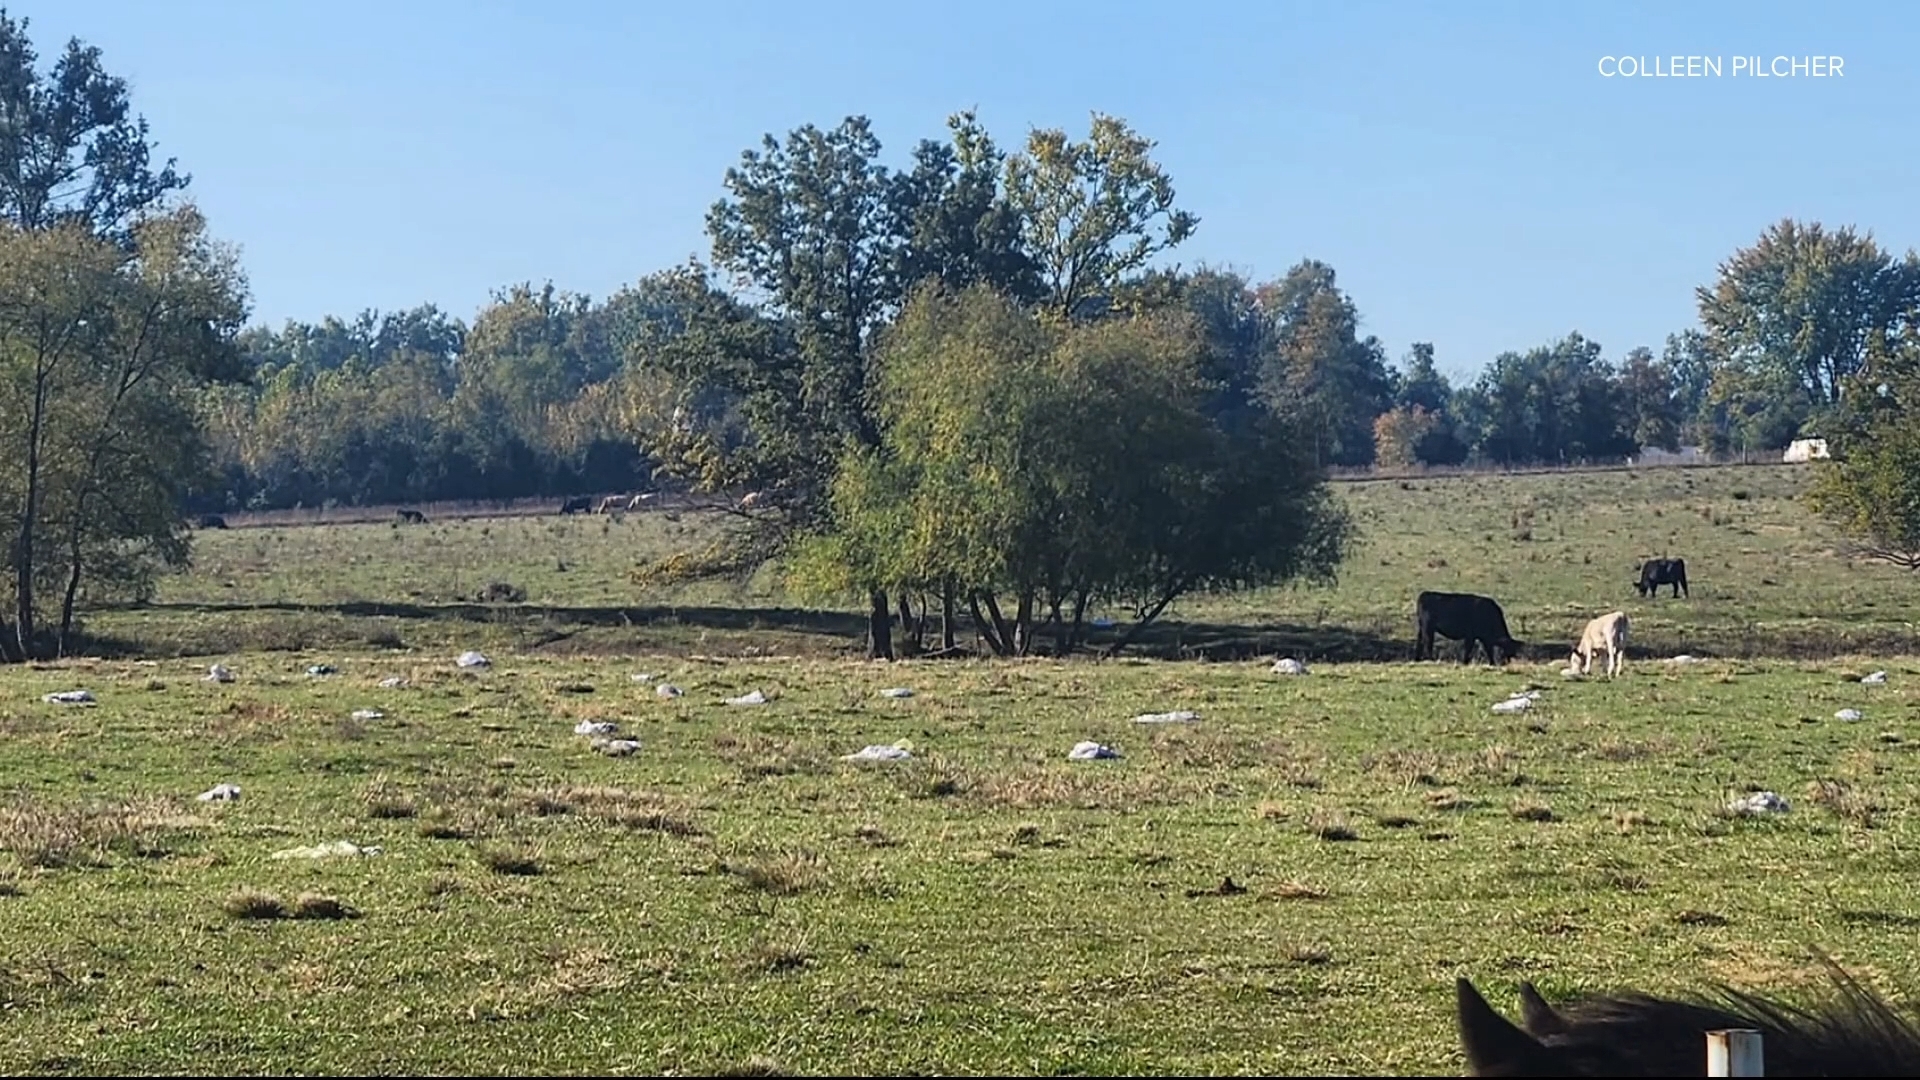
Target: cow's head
[[1640, 586]]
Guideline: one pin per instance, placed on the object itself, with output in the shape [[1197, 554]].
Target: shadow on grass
[[675, 628]]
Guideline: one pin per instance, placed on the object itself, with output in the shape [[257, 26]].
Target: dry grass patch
[[1529, 809], [1408, 768], [54, 836], [510, 861], [1843, 800], [785, 874], [639, 810]]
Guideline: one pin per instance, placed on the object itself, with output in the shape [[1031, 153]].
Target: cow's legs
[[1466, 650], [1423, 645]]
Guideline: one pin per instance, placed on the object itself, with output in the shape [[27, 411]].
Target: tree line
[[952, 383]]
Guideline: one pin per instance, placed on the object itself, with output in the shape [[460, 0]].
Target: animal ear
[[1494, 1047], [1537, 1016]]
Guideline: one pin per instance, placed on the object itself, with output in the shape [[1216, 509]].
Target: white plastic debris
[[472, 659], [1091, 751], [392, 681], [321, 669], [879, 753], [896, 692], [1520, 703], [1847, 714], [1287, 665], [751, 698], [1874, 679], [1683, 658], [667, 690], [643, 676], [595, 727], [1760, 802], [219, 673], [69, 697], [368, 714], [327, 850], [1179, 717], [616, 747], [222, 792]]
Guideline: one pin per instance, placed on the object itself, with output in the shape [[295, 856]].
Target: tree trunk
[[1152, 613], [879, 626], [73, 589], [1079, 619], [909, 628], [984, 626], [23, 546], [1023, 624], [1000, 626], [946, 615]]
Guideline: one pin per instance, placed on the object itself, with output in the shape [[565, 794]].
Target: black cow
[[412, 517], [580, 504], [211, 521], [1465, 618], [1657, 572]]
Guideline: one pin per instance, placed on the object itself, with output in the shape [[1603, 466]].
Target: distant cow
[[1465, 618], [611, 503], [210, 521], [1657, 572], [750, 500], [641, 499], [1607, 634], [579, 504], [412, 517]]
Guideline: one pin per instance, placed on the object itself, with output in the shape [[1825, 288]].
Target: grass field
[[1287, 885]]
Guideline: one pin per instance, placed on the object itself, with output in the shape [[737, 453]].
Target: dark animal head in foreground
[[1854, 1034]]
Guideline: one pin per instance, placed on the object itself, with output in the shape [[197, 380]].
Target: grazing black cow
[[1465, 618], [1657, 572], [211, 521], [413, 517], [581, 504]]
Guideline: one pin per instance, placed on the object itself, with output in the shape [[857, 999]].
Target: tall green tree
[[1323, 372], [1802, 310], [102, 349], [1092, 213], [1647, 390], [71, 150]]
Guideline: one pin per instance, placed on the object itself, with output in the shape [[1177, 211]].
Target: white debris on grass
[[392, 681], [1177, 717], [879, 753], [1847, 714], [1683, 658], [221, 792], [643, 676], [1287, 665], [615, 747], [1760, 802], [754, 697], [368, 714], [219, 673], [1874, 679], [896, 692], [69, 697], [1091, 751], [1519, 702], [595, 727], [317, 670], [472, 659], [667, 690], [327, 850]]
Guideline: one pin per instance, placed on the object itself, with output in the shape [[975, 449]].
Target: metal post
[[1735, 1052]]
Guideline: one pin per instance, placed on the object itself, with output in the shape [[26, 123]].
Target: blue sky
[[1464, 167]]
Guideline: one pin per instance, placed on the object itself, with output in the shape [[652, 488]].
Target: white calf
[[1608, 634], [611, 503]]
